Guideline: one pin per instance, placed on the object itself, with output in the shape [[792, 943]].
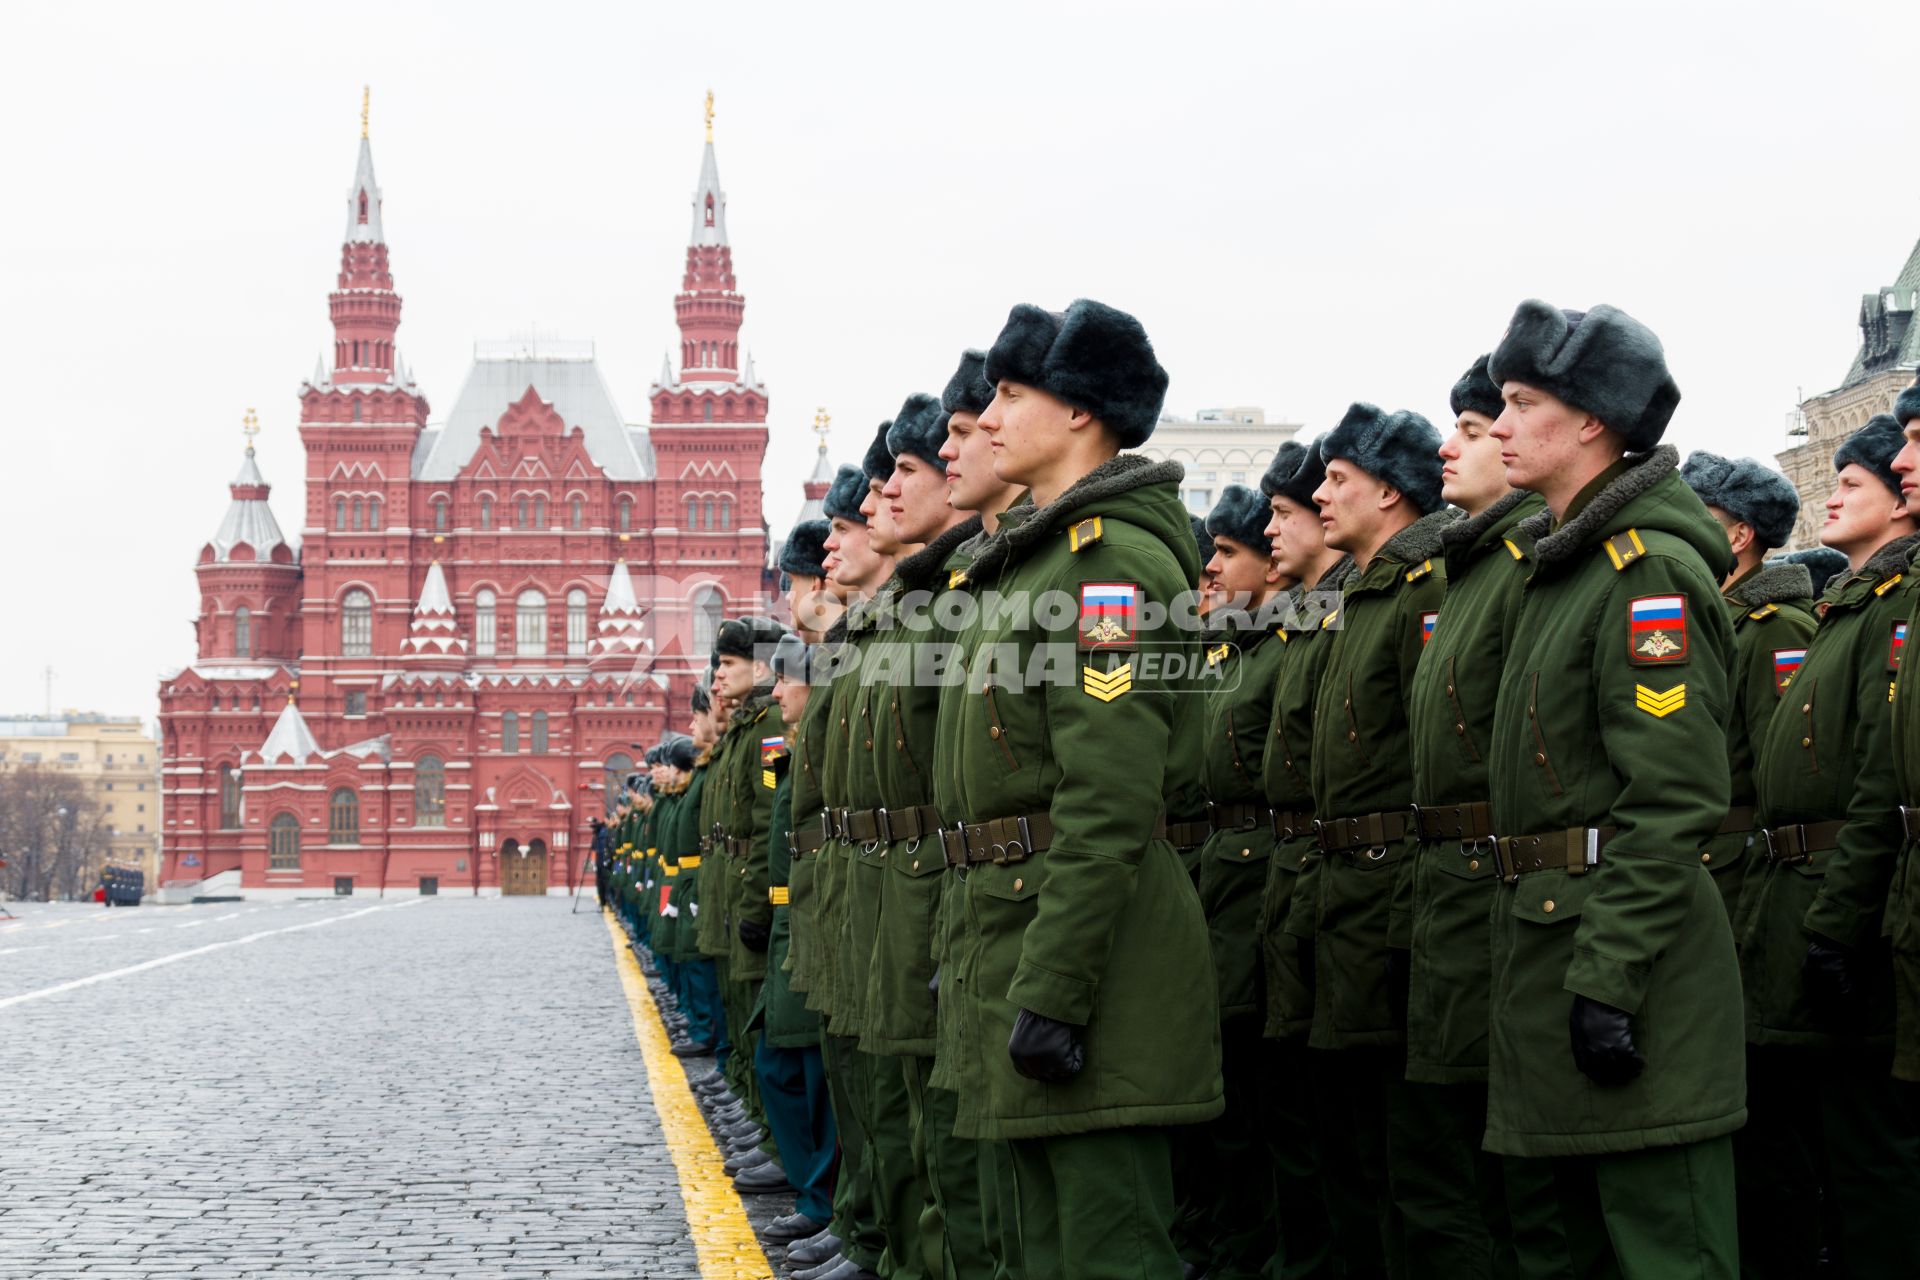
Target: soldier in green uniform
[[1314, 1161], [1818, 977], [1609, 781], [1379, 503], [898, 703], [1771, 608], [1450, 1193], [1081, 964], [700, 984], [1903, 903], [1227, 1174]]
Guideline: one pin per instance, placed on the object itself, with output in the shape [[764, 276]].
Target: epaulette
[[1328, 621], [1085, 534], [1218, 654], [1624, 548], [956, 579], [1281, 632], [1420, 571], [1764, 611], [1889, 584], [1513, 549]]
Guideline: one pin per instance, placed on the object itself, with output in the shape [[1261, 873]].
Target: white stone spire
[[621, 634], [709, 203], [434, 636], [363, 201], [290, 737]]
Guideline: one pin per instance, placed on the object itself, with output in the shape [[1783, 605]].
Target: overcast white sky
[[1306, 204]]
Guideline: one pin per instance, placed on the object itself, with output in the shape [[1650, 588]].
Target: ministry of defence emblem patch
[[1657, 630]]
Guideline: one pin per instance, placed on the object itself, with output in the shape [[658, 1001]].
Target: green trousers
[[1297, 1131], [737, 999], [951, 1168], [902, 1197], [1642, 1215], [856, 1218], [1225, 1175], [1000, 1207], [1353, 1087], [1449, 1193], [1097, 1206]]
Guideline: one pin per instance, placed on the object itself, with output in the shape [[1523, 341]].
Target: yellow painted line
[[723, 1239]]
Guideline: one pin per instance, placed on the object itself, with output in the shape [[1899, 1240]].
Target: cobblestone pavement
[[420, 1087]]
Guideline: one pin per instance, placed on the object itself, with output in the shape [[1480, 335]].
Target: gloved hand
[[671, 912], [1044, 1050], [933, 986], [1399, 983], [754, 936], [1603, 1045], [1833, 989]]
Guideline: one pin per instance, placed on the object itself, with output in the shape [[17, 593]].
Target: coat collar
[[1772, 584], [924, 568], [1023, 528], [1554, 545]]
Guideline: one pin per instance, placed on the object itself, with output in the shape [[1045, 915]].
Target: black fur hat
[[1399, 448], [1746, 490], [920, 428], [1907, 407], [653, 754], [968, 390], [1295, 472], [1241, 514], [1873, 447], [1821, 562], [640, 784], [1477, 391], [679, 752], [1091, 356], [878, 464], [791, 658], [1601, 361], [748, 637], [701, 699], [1201, 538], [845, 494], [805, 552]]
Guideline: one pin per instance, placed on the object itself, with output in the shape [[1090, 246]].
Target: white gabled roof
[[571, 383], [290, 737]]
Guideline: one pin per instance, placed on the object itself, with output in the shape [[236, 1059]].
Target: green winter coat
[[751, 781], [1286, 774], [900, 699], [711, 927], [788, 1024], [840, 669], [1903, 896], [1597, 726], [1450, 714], [1101, 929], [1362, 765], [1771, 608], [1827, 756], [808, 746], [1237, 697], [666, 812], [690, 861], [861, 869]]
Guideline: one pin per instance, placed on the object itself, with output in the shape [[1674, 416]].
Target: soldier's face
[[1025, 428], [810, 605], [1472, 477], [1539, 434], [1862, 514], [882, 534], [1235, 571], [1297, 537], [734, 678], [1906, 465], [1352, 506], [858, 562], [916, 498], [792, 697], [968, 453]]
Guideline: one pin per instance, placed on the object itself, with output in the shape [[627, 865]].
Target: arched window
[[439, 515], [726, 513], [626, 513], [486, 512], [576, 514], [539, 510], [576, 622], [339, 512], [706, 514], [284, 842], [356, 625], [343, 816], [430, 792], [243, 632], [530, 624], [483, 623], [706, 618], [357, 512], [373, 514], [539, 733], [229, 797], [509, 731], [619, 765], [520, 512], [693, 513], [706, 410], [356, 408]]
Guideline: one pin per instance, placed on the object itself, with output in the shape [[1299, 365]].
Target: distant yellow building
[[115, 757]]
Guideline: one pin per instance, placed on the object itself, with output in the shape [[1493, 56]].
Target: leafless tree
[[53, 835]]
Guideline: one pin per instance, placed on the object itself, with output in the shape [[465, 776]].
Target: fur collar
[[1773, 584], [761, 699], [1419, 540], [1647, 470], [1021, 528], [1888, 560], [923, 567], [1467, 531]]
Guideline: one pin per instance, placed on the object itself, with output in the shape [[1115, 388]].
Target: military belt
[[888, 825], [1005, 840], [1288, 823], [1368, 831], [1795, 844], [777, 894], [1237, 817], [1472, 821], [1575, 850], [1186, 835], [1910, 820], [1739, 818], [804, 841], [688, 863]]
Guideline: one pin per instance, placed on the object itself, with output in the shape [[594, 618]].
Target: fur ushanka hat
[[968, 390], [1873, 447], [1295, 472], [877, 466], [805, 552], [1746, 490], [1092, 356], [920, 428], [1399, 448], [845, 494], [1241, 514], [1602, 361], [1477, 391], [1821, 562], [751, 637], [1907, 407]]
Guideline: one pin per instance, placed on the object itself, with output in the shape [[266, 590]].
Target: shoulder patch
[[1108, 614], [1660, 703], [1785, 663], [1105, 687], [1085, 534], [1657, 630], [1427, 621], [1764, 611], [1419, 571], [1899, 644], [1624, 548]]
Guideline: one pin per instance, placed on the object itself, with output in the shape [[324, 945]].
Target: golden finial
[[366, 96], [250, 427], [709, 115], [820, 424]]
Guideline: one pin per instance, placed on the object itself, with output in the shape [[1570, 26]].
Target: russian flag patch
[[1108, 613], [1427, 621], [1657, 630], [1785, 663], [1899, 643], [771, 749]]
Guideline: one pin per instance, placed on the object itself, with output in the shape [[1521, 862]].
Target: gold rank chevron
[[1109, 686], [1662, 704]]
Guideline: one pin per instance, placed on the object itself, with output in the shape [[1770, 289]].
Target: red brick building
[[485, 612]]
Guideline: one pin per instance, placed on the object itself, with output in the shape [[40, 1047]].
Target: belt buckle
[[1024, 844], [882, 827], [1502, 864]]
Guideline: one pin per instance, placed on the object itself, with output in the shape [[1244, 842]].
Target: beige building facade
[[1218, 447], [1887, 363], [115, 757]]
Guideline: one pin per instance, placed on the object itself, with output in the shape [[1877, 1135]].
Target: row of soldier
[[1514, 883]]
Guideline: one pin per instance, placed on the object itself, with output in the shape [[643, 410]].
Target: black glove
[[753, 935], [933, 986], [1399, 983], [1832, 988], [1603, 1046], [1045, 1050]]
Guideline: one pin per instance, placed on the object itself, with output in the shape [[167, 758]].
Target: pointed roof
[[434, 634], [364, 228], [433, 593], [570, 382], [290, 737], [621, 634], [249, 519], [666, 372], [619, 591], [709, 231], [1889, 327]]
